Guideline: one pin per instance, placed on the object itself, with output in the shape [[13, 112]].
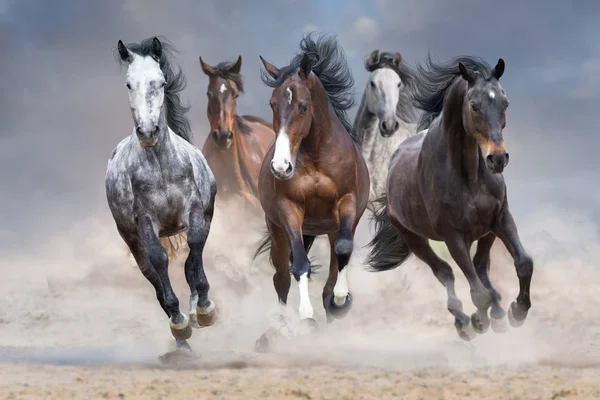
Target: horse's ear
[[124, 53], [397, 59], [156, 52], [237, 67], [305, 67], [373, 57], [464, 72], [271, 69], [498, 70], [207, 69]]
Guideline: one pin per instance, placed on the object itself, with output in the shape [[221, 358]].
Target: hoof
[[268, 340], [500, 325], [207, 316], [308, 325], [183, 346], [339, 312], [464, 328], [516, 315], [182, 330], [480, 321]]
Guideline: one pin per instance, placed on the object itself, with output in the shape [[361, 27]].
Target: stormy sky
[[63, 104]]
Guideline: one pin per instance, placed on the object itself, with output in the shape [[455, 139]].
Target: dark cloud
[[63, 106]]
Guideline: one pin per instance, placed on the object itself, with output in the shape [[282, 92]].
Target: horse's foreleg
[[341, 301], [507, 232], [292, 218], [202, 308], [280, 256], [482, 266], [157, 255]]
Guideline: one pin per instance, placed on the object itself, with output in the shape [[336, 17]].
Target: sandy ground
[[77, 320]]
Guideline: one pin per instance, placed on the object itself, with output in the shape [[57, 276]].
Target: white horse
[[386, 115]]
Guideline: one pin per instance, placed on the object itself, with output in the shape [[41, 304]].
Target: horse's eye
[[372, 84], [399, 84], [303, 109], [474, 107], [163, 84], [209, 94], [271, 105], [127, 85]]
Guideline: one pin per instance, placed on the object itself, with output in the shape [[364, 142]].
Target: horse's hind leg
[[507, 232], [202, 308], [443, 272], [481, 261]]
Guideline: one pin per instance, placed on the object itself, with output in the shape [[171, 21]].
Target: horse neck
[[462, 147], [365, 122]]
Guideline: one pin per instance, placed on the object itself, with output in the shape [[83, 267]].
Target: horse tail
[[388, 248], [265, 245], [174, 245]]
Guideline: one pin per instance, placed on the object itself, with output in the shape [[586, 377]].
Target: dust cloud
[[81, 300]]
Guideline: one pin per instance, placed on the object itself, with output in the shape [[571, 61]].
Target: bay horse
[[446, 184], [236, 144], [386, 115], [159, 184], [313, 180]]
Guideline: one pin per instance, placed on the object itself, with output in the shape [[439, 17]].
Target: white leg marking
[[306, 310], [181, 325], [223, 88], [193, 303], [290, 93], [282, 156], [340, 290]]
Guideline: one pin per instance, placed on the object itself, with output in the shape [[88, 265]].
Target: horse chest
[[481, 212]]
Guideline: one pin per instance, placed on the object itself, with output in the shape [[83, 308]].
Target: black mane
[[435, 80], [330, 66], [176, 82], [409, 78]]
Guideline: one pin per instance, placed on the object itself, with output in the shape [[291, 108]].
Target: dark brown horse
[[446, 184], [236, 144], [313, 180]]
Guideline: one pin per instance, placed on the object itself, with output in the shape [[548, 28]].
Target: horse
[[385, 116], [159, 184], [236, 144], [446, 184], [313, 180]]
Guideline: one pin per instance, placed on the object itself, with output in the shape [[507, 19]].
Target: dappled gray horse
[[386, 115], [159, 184]]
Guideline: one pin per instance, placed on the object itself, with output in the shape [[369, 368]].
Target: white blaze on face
[[492, 94], [146, 95], [223, 88], [305, 310], [282, 156], [290, 96], [383, 98], [340, 290]]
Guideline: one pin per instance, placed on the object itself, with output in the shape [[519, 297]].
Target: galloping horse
[[313, 180], [447, 184], [159, 184], [236, 144], [386, 115]]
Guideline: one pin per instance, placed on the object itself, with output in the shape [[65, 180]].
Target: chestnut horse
[[313, 180], [447, 184], [236, 144]]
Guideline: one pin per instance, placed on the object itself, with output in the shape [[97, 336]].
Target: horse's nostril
[[289, 169], [396, 125], [383, 126], [138, 130]]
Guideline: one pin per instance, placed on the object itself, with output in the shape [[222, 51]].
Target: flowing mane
[[330, 66], [176, 82], [435, 80], [222, 70], [405, 109]]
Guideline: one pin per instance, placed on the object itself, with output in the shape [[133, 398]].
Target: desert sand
[[78, 320]]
